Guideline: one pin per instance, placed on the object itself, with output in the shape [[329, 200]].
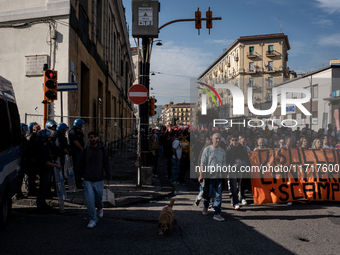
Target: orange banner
[[295, 175]]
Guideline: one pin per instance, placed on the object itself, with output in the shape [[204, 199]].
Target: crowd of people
[[185, 148], [45, 149]]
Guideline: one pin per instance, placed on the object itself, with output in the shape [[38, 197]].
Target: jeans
[[215, 187], [93, 197], [233, 189], [175, 169]]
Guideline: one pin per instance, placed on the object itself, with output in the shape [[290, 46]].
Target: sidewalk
[[123, 185]]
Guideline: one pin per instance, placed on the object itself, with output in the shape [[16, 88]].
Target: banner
[[296, 174]]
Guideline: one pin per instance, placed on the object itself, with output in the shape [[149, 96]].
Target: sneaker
[[197, 202], [205, 211], [100, 213], [237, 207], [244, 202], [211, 208], [218, 218], [289, 203], [91, 224]]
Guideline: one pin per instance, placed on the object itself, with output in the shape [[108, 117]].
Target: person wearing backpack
[[94, 159]]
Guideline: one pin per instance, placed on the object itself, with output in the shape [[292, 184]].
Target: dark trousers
[[45, 178], [183, 168], [154, 162], [31, 173], [169, 166]]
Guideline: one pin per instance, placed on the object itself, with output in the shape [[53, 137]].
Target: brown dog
[[166, 217]]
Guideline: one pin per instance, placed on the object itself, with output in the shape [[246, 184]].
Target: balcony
[[251, 54], [228, 64], [269, 69], [236, 58], [270, 85], [251, 71], [270, 53]]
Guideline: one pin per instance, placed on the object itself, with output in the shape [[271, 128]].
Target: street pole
[[144, 71]]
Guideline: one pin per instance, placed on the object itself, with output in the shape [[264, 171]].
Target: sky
[[312, 27]]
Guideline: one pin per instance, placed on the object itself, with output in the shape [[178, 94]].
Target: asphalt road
[[255, 229]]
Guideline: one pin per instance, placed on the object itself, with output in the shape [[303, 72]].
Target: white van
[[10, 149]]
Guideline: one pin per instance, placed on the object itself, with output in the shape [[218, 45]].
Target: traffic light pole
[[144, 72]]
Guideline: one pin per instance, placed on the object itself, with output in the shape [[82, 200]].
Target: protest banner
[[288, 175]]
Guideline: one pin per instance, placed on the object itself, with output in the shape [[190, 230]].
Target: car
[[10, 150]]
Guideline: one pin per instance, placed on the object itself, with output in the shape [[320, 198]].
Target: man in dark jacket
[[235, 155], [93, 160]]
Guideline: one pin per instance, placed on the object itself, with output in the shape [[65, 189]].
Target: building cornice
[[53, 8]]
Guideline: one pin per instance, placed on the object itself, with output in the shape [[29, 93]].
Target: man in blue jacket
[[94, 159]]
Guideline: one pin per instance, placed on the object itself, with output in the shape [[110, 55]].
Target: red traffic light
[[50, 85], [51, 74]]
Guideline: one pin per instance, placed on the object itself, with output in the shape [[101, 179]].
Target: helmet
[[62, 127], [78, 122], [30, 126], [43, 134], [24, 127], [51, 123]]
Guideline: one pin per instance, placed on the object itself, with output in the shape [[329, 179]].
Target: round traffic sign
[[138, 94]]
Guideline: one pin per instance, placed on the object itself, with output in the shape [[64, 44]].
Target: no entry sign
[[138, 94]]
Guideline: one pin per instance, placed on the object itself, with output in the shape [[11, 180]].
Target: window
[[251, 67], [4, 127], [15, 123], [269, 97], [315, 91], [270, 81], [99, 21], [114, 52], [270, 66], [251, 81], [270, 48], [315, 114], [251, 50]]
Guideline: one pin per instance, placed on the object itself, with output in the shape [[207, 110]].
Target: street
[[255, 229]]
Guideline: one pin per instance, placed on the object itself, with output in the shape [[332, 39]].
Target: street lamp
[[158, 42]]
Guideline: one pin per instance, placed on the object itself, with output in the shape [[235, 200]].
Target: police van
[[10, 149]]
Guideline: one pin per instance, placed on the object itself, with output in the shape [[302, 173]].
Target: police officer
[[34, 128], [61, 142], [25, 159], [77, 144], [45, 168], [51, 126]]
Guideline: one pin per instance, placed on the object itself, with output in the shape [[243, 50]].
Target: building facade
[[181, 113], [258, 61], [324, 102], [87, 42]]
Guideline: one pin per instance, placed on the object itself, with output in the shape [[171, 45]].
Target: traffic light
[[209, 20], [152, 106], [198, 21], [50, 85]]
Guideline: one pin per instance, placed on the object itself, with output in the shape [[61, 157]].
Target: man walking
[[213, 156], [93, 160]]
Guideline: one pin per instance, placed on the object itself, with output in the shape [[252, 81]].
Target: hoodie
[[92, 163]]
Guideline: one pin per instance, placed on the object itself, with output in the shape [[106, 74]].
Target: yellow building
[[259, 61], [101, 63]]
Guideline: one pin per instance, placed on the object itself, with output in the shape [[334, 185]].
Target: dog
[[166, 217]]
